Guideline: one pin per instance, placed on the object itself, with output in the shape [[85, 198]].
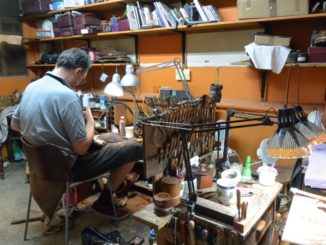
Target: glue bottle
[[246, 172]]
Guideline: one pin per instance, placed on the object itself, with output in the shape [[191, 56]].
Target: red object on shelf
[[317, 54]]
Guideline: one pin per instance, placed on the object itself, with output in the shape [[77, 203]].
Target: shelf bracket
[[183, 47], [136, 49], [263, 84]]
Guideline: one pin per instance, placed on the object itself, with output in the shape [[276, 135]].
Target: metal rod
[[191, 188]]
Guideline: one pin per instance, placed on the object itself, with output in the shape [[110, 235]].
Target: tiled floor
[[13, 203]]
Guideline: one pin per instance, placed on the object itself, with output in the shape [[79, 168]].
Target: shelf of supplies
[[96, 7], [206, 27]]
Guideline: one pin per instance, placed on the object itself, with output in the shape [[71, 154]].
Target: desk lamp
[[114, 88], [127, 81], [310, 130], [287, 142]]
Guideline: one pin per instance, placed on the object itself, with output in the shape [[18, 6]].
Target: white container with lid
[[267, 175]]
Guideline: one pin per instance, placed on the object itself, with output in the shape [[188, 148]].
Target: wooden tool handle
[[191, 233], [182, 230]]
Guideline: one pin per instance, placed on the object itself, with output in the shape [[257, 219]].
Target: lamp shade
[[310, 130], [114, 88], [129, 79], [287, 141]]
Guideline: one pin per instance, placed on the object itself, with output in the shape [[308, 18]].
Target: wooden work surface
[[306, 223], [148, 217], [257, 207]]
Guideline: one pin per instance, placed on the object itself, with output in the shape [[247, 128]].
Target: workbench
[[261, 210]]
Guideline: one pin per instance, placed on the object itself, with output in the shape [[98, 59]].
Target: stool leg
[[67, 213], [27, 215], [112, 203]]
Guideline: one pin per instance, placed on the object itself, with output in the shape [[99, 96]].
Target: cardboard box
[[317, 54], [248, 9], [65, 20], [123, 25], [263, 39], [292, 7], [35, 6], [73, 3], [86, 19]]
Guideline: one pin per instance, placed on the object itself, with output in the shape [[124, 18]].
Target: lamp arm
[[168, 64], [115, 102], [134, 111]]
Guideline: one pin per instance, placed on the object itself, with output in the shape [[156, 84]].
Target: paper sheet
[[268, 57], [306, 222], [316, 171]]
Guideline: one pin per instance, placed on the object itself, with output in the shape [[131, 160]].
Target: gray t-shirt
[[50, 112]]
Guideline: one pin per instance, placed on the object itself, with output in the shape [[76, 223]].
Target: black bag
[[91, 236], [48, 57]]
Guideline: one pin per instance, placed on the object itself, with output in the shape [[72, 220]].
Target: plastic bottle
[[122, 126], [152, 237], [102, 99], [246, 172]]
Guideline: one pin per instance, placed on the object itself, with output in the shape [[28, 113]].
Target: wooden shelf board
[[247, 63], [93, 65], [256, 106], [223, 25], [290, 18]]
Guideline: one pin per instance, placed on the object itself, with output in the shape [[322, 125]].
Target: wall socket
[[185, 71]]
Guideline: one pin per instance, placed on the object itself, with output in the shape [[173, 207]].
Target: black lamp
[[287, 141], [310, 130]]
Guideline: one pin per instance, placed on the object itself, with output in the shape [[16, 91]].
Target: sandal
[[57, 222]]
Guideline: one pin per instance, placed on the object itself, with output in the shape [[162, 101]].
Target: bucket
[[266, 175]]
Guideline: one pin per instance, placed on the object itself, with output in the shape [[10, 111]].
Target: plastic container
[[226, 191], [266, 175], [102, 99]]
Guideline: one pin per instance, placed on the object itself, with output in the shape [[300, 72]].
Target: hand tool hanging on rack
[[205, 236], [199, 234], [191, 233], [182, 232], [233, 238], [220, 236]]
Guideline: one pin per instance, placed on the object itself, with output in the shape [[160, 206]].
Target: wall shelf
[[93, 65], [198, 28]]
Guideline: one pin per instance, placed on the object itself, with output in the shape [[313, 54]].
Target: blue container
[[102, 99]]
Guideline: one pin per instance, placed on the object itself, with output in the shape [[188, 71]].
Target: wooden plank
[[306, 222], [215, 210], [258, 206], [148, 217]]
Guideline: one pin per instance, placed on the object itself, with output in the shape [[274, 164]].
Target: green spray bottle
[[246, 172]]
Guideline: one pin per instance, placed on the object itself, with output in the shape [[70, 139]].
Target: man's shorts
[[102, 158]]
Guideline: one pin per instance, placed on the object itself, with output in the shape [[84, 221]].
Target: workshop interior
[[227, 99]]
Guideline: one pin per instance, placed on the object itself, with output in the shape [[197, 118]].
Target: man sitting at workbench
[[50, 112]]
